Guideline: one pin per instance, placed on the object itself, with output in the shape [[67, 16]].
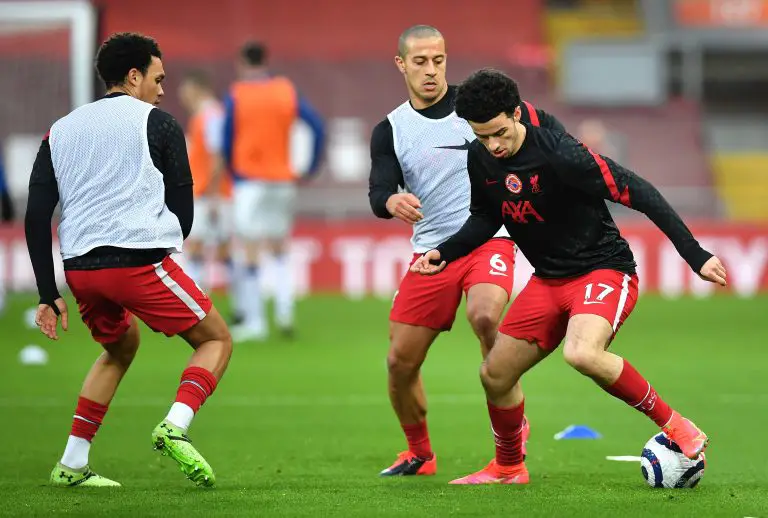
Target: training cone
[[577, 431]]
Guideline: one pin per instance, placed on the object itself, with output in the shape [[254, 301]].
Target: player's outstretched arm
[[43, 197], [479, 228], [598, 175], [482, 223]]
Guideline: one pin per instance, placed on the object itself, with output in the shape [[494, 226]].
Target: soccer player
[[548, 190], [212, 187], [421, 146], [118, 167], [260, 112]]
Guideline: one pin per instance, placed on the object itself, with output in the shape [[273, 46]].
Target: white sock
[[283, 291], [76, 453], [251, 301], [180, 415]]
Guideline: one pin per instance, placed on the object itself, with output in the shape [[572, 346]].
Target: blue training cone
[[577, 431]]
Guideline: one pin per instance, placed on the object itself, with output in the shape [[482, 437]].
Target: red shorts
[[541, 311], [432, 301], [161, 295]]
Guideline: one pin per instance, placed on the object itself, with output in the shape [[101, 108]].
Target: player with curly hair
[[548, 190]]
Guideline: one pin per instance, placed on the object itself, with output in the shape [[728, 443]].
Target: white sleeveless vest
[[111, 193], [433, 156]]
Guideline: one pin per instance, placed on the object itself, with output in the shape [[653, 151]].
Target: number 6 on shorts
[[497, 263]]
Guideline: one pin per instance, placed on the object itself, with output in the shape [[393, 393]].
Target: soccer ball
[[664, 465]]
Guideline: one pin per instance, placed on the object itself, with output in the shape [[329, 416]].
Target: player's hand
[[47, 319], [403, 206], [714, 271], [423, 265]]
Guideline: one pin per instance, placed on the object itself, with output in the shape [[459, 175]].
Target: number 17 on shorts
[[608, 293]]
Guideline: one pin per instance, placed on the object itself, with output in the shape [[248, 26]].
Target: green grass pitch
[[302, 428]]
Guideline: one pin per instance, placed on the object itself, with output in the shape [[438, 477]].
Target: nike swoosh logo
[[464, 146], [492, 272], [490, 182]]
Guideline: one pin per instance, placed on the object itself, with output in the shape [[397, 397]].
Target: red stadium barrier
[[368, 257], [300, 28]]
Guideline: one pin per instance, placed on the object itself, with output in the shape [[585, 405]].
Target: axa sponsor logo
[[520, 211]]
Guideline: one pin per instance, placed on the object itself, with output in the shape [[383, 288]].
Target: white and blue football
[[664, 465]]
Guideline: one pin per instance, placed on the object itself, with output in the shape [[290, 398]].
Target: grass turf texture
[[302, 428]]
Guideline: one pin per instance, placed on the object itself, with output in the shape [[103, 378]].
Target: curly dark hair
[[485, 94], [123, 51]]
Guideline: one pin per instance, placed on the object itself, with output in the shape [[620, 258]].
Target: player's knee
[[581, 355], [211, 332], [124, 355], [484, 321], [123, 351], [400, 366], [494, 381]]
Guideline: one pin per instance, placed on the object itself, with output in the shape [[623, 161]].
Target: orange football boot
[[409, 464], [495, 474], [686, 435]]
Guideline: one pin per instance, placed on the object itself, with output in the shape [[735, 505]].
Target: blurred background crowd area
[[673, 89]]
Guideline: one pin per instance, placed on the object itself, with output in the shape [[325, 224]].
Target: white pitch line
[[624, 458]]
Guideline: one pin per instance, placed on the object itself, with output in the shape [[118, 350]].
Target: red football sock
[[418, 439], [88, 417], [196, 385], [507, 424], [635, 391]]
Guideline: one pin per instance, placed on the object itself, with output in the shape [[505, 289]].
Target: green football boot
[[171, 440], [62, 476]]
